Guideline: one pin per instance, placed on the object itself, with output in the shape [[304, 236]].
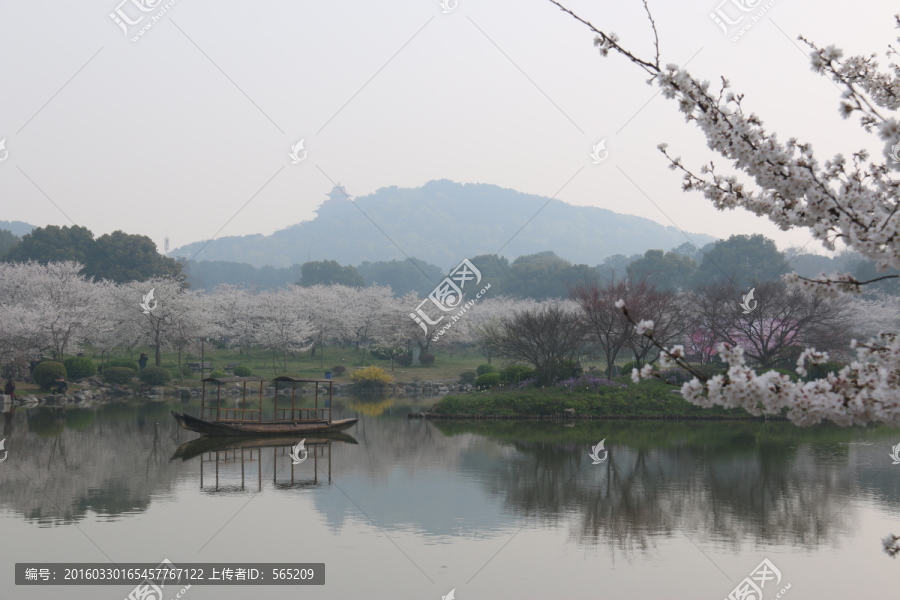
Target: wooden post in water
[[293, 389]]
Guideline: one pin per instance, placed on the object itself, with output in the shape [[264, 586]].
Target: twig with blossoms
[[854, 201]]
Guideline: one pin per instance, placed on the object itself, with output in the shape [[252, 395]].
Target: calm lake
[[415, 509]]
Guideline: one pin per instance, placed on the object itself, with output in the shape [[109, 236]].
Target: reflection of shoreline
[[772, 483], [738, 482]]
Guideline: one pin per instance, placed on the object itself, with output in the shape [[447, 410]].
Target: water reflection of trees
[[67, 462], [743, 488]]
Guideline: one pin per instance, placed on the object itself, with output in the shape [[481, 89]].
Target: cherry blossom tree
[[164, 322], [850, 200], [282, 324], [57, 302], [233, 317]]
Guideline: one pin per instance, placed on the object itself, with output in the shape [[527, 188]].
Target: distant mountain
[[17, 227], [443, 222]]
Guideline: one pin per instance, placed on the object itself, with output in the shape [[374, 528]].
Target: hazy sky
[[190, 127]]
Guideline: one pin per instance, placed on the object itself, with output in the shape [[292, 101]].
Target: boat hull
[[255, 428]]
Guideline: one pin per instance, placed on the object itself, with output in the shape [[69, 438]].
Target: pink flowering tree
[[849, 199]]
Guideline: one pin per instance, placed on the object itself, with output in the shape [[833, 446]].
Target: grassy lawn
[[446, 366], [645, 399]]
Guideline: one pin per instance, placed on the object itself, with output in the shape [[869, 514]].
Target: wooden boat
[[232, 428], [198, 446], [218, 420]]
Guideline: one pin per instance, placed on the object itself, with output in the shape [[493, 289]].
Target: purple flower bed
[[524, 384], [587, 382]]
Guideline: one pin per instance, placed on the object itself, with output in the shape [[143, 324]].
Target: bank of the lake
[[648, 399]]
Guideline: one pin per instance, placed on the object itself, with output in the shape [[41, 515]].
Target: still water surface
[[679, 510]]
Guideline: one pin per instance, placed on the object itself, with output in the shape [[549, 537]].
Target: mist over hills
[[443, 222]]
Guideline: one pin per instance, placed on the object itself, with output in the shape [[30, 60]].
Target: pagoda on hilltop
[[337, 197]]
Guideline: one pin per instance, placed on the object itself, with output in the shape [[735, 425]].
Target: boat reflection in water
[[230, 464]]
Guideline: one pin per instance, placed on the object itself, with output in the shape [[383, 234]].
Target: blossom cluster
[[849, 199]]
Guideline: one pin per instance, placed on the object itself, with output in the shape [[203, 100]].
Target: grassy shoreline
[[646, 400]]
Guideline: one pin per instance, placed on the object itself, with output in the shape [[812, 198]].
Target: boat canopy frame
[[237, 414], [288, 415]]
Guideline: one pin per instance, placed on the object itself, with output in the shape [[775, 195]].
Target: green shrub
[[79, 366], [564, 369], [404, 360], [371, 377], [217, 373], [822, 370], [468, 377], [709, 369], [487, 380], [516, 373], [46, 373], [482, 369], [154, 376], [426, 359], [338, 370], [242, 371], [120, 375], [120, 362]]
